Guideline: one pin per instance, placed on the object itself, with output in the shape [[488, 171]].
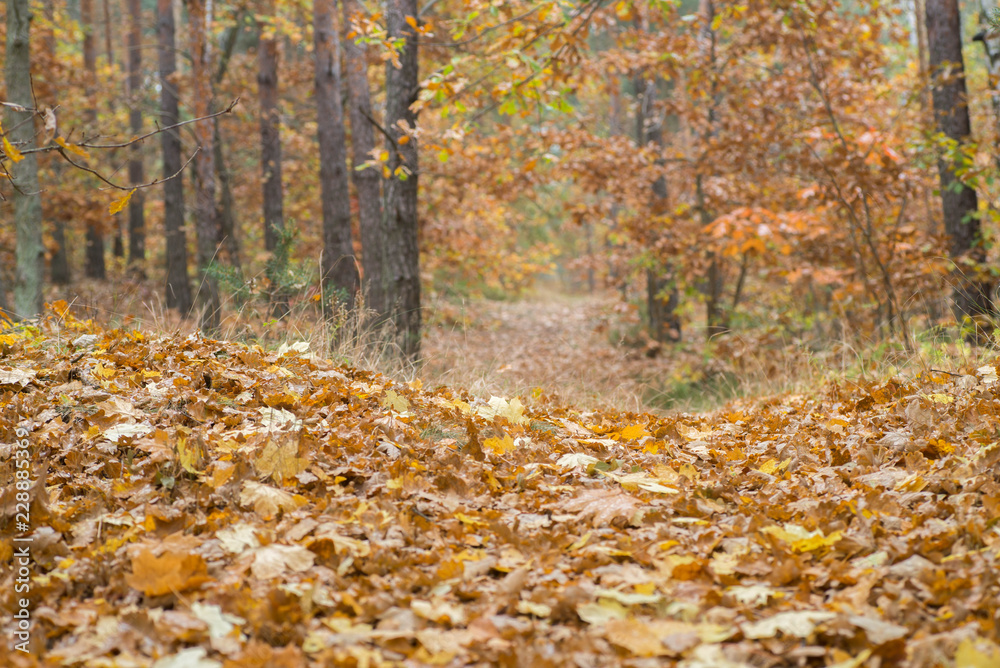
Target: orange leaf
[[72, 148], [11, 152], [172, 572]]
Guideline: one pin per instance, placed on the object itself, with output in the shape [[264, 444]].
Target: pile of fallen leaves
[[204, 503]]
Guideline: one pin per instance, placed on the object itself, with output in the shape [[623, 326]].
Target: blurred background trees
[[818, 168]]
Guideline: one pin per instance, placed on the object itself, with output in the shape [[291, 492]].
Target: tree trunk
[[270, 141], [178, 289], [108, 49], [715, 320], [136, 206], [662, 295], [94, 266], [971, 294], [270, 160], [59, 264], [118, 244], [367, 182], [59, 273], [400, 209], [340, 275], [920, 7], [20, 131], [991, 45], [225, 212], [206, 226]]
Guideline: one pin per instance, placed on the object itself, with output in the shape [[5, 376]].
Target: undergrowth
[[466, 345]]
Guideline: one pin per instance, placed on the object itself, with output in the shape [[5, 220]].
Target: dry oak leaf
[[280, 461], [636, 636], [170, 572], [604, 504], [274, 560], [267, 501], [878, 631], [18, 377], [439, 612], [799, 624]]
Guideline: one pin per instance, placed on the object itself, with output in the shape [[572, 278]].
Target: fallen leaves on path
[[212, 504]]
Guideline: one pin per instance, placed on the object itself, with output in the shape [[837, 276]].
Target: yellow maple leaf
[[772, 466], [801, 539], [500, 446], [120, 203], [189, 456], [633, 432]]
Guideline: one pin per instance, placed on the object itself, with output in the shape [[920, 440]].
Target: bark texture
[[367, 182], [270, 160], [178, 289], [270, 141], [136, 174], [662, 296], [20, 131], [400, 209], [225, 210], [971, 294], [206, 226], [340, 274], [94, 266]]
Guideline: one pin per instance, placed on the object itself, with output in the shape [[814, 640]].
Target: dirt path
[[564, 345]]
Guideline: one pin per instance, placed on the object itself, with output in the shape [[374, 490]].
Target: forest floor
[[196, 502]]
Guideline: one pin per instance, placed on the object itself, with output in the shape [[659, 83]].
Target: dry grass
[[548, 348]]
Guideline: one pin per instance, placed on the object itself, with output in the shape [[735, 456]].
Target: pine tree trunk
[[340, 274], [270, 160], [136, 175], [270, 142], [716, 320], [662, 295], [400, 209], [94, 266], [225, 212], [206, 227], [20, 131], [59, 272], [367, 182], [59, 265], [118, 243], [178, 289], [920, 7], [991, 46], [971, 294]]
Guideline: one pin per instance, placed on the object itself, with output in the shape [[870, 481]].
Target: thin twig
[[152, 183]]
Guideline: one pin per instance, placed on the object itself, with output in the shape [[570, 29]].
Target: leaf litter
[[216, 504]]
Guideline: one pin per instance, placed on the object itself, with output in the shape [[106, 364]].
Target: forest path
[[564, 344]]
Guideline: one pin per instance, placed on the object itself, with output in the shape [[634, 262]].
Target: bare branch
[[152, 183]]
